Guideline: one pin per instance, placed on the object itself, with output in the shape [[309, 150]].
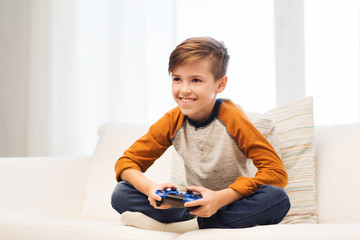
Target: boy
[[215, 139]]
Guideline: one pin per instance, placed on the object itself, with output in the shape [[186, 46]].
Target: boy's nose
[[185, 89]]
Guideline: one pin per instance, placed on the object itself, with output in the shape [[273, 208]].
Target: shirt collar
[[213, 115]]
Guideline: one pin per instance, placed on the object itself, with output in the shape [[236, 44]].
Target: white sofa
[[69, 198]]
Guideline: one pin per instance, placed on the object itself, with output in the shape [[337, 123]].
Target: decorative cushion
[[294, 123], [290, 130]]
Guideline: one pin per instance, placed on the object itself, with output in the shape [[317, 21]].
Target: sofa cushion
[[79, 229], [114, 139], [281, 232], [338, 163], [42, 186], [289, 129]]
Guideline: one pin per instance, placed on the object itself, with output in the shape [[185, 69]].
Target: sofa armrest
[[43, 186]]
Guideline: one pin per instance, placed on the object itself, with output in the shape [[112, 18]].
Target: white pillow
[[114, 139]]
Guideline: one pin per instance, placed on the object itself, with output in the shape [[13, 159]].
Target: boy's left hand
[[209, 203]]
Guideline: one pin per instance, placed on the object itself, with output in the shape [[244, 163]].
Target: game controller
[[176, 199]]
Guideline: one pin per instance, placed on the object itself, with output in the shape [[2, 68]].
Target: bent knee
[[276, 194], [279, 200], [273, 190], [118, 197]]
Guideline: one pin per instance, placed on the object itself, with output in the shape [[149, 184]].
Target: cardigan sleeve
[[147, 149], [271, 170]]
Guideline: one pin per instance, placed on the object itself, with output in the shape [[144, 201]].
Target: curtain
[[93, 62]]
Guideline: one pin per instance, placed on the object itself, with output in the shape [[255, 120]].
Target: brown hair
[[197, 48]]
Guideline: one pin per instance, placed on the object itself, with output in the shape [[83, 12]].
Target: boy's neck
[[213, 115]]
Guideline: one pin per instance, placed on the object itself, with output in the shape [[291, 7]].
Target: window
[[332, 59], [247, 29]]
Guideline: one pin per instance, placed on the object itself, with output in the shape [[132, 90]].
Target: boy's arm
[[227, 196], [147, 149], [270, 168], [138, 180], [254, 145]]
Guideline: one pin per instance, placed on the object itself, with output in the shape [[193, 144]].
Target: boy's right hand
[[153, 196]]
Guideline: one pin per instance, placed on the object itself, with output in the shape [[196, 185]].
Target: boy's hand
[[209, 203], [152, 197]]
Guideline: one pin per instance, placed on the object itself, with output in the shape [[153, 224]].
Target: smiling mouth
[[187, 100]]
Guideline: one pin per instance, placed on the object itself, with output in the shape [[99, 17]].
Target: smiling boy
[[194, 89], [216, 141]]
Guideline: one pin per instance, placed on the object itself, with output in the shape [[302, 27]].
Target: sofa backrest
[[337, 166], [114, 139]]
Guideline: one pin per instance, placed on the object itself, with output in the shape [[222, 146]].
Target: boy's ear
[[222, 84]]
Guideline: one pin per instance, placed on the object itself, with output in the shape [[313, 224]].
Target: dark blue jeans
[[268, 205]]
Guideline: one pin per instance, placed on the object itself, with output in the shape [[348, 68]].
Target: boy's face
[[194, 89]]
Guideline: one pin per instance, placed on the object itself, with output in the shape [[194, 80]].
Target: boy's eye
[[176, 79], [196, 80]]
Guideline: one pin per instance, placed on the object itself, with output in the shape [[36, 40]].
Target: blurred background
[[68, 66]]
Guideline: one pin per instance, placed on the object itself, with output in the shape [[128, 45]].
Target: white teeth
[[186, 100]]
